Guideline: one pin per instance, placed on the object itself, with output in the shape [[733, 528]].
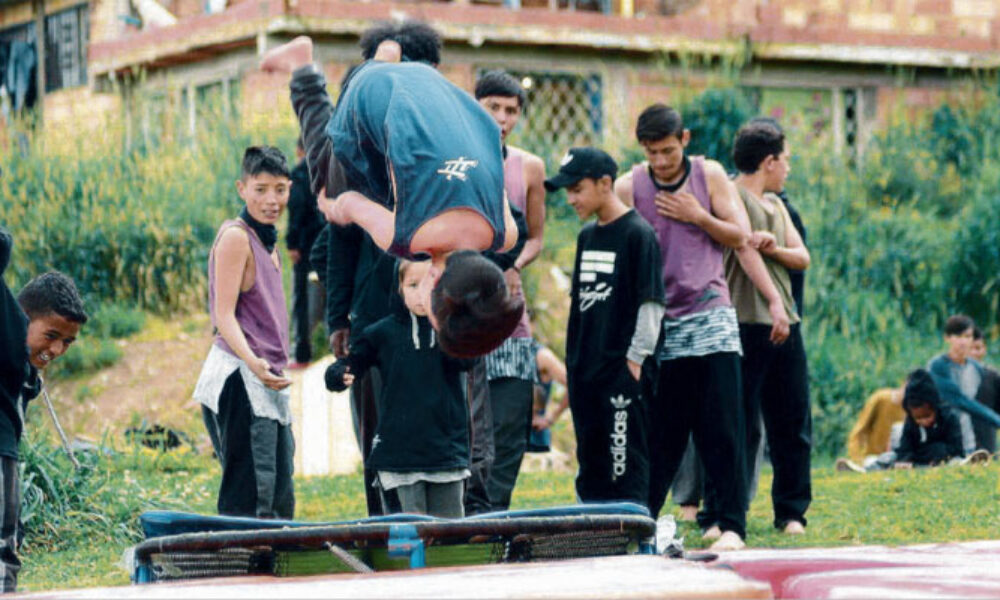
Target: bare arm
[[753, 265], [550, 368], [534, 171], [353, 207], [794, 255], [623, 189], [232, 254]]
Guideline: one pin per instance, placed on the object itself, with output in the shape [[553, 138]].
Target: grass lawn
[[83, 546]]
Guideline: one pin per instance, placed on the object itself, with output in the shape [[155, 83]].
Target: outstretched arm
[[354, 207]]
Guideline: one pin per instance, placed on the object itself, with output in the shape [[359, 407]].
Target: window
[[66, 35], [563, 110]]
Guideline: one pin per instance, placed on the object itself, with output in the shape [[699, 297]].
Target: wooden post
[[38, 8]]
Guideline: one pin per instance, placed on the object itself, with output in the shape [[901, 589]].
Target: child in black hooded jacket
[[932, 433], [421, 443]]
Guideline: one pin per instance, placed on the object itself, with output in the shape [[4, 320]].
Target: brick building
[[591, 64]]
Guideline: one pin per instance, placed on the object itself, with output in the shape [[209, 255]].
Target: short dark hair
[[657, 122], [499, 83], [52, 293], [977, 333], [958, 324], [920, 391], [474, 310], [754, 142], [418, 40], [264, 159]]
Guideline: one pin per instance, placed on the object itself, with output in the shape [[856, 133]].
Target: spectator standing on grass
[[35, 329], [774, 371], [511, 367], [421, 447], [242, 386], [695, 386], [958, 378], [304, 225], [616, 306]]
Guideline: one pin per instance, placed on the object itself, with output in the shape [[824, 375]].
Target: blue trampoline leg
[[404, 541]]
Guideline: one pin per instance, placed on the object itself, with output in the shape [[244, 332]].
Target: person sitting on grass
[[36, 329], [958, 378], [423, 168], [932, 433], [421, 443]]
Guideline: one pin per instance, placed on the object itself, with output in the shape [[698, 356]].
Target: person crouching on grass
[[614, 321], [421, 444], [35, 330], [241, 386]]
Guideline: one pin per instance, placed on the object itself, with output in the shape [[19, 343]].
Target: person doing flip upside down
[[423, 167]]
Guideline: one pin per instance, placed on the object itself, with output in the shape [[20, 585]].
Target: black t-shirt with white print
[[617, 269]]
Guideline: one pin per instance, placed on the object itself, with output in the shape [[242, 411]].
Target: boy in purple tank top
[[696, 387], [511, 367], [241, 387]]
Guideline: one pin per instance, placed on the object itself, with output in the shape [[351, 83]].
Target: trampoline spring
[[350, 561]]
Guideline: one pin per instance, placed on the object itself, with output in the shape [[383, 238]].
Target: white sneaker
[[712, 533], [978, 457], [844, 464], [729, 540]]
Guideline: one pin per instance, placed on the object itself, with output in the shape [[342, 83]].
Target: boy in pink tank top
[[695, 387], [242, 387]]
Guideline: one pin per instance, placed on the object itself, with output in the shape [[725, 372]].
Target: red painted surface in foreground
[[946, 570]]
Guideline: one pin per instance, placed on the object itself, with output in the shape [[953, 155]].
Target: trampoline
[[181, 546]]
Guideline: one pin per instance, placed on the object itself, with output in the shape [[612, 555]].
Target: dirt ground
[[152, 383]]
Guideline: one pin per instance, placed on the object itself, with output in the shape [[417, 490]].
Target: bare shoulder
[[233, 239], [532, 162], [715, 171], [623, 187]]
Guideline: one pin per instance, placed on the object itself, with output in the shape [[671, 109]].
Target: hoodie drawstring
[[416, 331]]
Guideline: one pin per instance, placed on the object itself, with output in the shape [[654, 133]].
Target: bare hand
[[903, 465], [634, 368], [540, 422], [339, 342], [295, 255], [336, 210], [262, 369], [680, 206], [513, 280], [764, 242], [348, 378], [780, 328]]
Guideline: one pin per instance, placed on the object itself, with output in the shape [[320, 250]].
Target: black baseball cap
[[579, 163]]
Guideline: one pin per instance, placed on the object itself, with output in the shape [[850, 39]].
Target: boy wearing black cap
[[617, 305]]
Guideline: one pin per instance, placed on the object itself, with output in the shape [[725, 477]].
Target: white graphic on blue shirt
[[457, 168]]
